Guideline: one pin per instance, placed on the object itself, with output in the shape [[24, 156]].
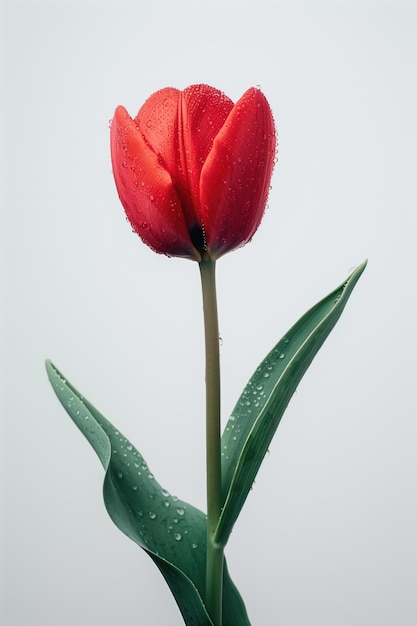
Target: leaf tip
[[361, 266]]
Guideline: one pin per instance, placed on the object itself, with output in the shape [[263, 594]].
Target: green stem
[[214, 567]]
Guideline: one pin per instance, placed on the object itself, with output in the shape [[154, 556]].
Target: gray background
[[328, 535]]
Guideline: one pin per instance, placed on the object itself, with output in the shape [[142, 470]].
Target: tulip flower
[[193, 170]]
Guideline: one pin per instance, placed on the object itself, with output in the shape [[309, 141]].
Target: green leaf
[[171, 531], [259, 409]]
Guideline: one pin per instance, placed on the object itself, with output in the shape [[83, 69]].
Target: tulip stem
[[214, 564]]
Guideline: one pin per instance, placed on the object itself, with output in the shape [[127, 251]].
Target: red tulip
[[193, 170]]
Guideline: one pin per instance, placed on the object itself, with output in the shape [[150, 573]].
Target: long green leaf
[[258, 412], [171, 531]]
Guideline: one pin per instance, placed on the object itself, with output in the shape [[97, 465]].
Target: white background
[[328, 534]]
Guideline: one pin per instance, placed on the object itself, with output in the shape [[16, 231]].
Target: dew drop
[[180, 511], [281, 355], [134, 487], [195, 545], [129, 447], [152, 514], [165, 493], [177, 536]]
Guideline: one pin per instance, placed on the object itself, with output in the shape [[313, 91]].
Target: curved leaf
[[171, 531], [258, 412]]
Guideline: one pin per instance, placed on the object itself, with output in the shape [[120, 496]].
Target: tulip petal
[[203, 113], [180, 126], [146, 191], [236, 175], [157, 120]]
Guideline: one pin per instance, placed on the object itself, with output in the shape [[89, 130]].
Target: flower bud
[[193, 170]]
